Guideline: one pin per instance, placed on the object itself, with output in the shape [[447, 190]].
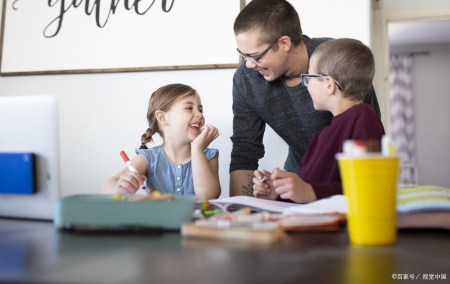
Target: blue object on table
[[17, 173]]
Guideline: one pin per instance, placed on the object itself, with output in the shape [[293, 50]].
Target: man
[[267, 89]]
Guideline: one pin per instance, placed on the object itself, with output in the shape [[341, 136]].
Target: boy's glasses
[[306, 77], [255, 59]]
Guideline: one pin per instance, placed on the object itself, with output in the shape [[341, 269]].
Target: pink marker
[[130, 167]]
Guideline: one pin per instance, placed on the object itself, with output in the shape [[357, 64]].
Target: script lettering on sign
[[101, 9]]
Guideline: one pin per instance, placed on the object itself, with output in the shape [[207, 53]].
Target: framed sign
[[92, 36]]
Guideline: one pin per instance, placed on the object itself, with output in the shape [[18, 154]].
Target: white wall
[[432, 116], [101, 114]]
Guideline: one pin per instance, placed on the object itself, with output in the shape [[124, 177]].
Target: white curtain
[[402, 115]]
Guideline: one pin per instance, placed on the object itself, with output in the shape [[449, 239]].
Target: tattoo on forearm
[[248, 189]]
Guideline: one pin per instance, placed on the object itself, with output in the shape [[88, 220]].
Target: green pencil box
[[102, 212]]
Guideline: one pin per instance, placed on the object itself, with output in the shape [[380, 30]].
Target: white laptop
[[30, 124]]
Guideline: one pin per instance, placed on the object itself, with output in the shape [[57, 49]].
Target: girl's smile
[[185, 118]]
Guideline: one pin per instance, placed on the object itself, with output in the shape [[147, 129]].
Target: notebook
[[28, 124]]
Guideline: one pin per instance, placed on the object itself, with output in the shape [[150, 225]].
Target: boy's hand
[[263, 186], [290, 186]]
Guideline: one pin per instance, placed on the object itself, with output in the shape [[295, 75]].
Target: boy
[[339, 75]]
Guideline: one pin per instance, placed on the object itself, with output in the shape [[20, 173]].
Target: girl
[[182, 165]]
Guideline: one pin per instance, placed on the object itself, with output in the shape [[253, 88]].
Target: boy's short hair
[[269, 19], [349, 62]]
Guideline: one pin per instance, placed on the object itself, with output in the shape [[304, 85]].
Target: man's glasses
[[306, 77], [255, 59]]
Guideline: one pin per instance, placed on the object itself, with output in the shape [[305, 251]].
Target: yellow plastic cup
[[370, 183]]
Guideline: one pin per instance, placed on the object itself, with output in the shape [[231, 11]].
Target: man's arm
[[248, 132], [241, 182]]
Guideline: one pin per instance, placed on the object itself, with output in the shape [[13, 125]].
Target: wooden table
[[35, 252]]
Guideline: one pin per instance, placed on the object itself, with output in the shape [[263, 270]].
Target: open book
[[230, 204], [334, 204]]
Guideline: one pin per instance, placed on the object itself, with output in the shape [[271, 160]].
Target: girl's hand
[[129, 183], [263, 186], [209, 133]]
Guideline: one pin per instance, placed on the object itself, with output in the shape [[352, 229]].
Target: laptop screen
[[29, 128]]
